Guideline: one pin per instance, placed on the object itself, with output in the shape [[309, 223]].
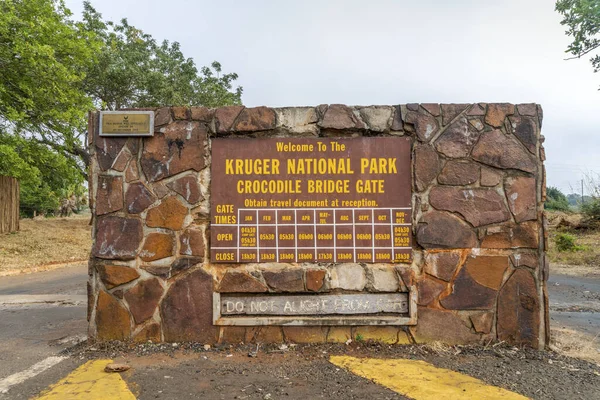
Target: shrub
[[566, 242], [556, 200], [591, 209]]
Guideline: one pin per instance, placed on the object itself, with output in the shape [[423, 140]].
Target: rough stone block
[[487, 270], [109, 194], [116, 275], [180, 148], [502, 151], [497, 112], [255, 119], [429, 289], [482, 322], [348, 277], [287, 280], [468, 294], [157, 246], [443, 326], [477, 110], [138, 198], [424, 125], [143, 299], [117, 238], [180, 112], [192, 243], [339, 116], [112, 319], [458, 139], [427, 165], [529, 109], [451, 111], [377, 118], [397, 124], [240, 282], [162, 116], [186, 310], [443, 230], [441, 265], [522, 200], [432, 108], [490, 177], [525, 129], [518, 316], [183, 264], [477, 205], [459, 173], [107, 149], [202, 114], [315, 279], [298, 120], [225, 117], [122, 160], [383, 278], [188, 187], [524, 235], [132, 172], [169, 214], [529, 260]]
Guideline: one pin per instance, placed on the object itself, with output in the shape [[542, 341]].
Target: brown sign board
[[311, 200], [126, 123]]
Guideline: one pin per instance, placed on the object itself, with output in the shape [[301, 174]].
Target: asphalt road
[[40, 315], [44, 313], [575, 303]]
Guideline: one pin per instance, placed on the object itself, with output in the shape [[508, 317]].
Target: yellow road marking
[[89, 382], [422, 381]]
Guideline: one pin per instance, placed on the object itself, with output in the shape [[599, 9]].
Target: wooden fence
[[9, 204]]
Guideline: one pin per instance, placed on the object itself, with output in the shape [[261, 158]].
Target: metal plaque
[[323, 304], [126, 123], [311, 200]]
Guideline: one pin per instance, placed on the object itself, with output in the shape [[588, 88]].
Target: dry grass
[[43, 242], [581, 262], [575, 344]]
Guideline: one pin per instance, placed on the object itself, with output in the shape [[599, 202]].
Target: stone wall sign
[[325, 304], [126, 123], [311, 200]]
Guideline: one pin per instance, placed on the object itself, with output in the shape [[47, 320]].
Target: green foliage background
[[556, 200], [54, 70]]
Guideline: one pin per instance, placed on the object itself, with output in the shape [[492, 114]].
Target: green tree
[[54, 70], [556, 200], [582, 19], [44, 57], [45, 176], [133, 71]]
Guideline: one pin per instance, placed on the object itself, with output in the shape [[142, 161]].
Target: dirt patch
[[43, 244], [303, 371], [573, 343], [575, 270]]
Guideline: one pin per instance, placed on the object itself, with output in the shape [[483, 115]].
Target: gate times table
[[314, 235]]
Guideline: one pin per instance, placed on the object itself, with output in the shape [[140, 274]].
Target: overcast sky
[[291, 53]]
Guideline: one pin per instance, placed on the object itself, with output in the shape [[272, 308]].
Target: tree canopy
[[582, 19], [54, 70], [556, 200]]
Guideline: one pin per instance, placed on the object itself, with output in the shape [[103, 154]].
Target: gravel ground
[[299, 372]]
